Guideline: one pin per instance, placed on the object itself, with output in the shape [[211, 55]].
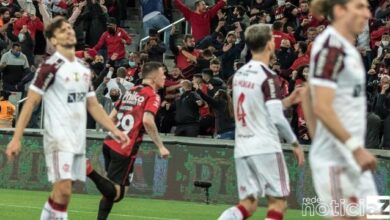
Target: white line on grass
[[76, 211]]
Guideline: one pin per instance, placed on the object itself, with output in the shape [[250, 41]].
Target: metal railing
[[165, 28]]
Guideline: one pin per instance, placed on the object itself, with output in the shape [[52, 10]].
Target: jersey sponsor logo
[[133, 98], [75, 97], [65, 168], [244, 84]]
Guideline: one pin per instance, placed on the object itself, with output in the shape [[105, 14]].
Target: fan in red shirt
[[200, 18], [134, 113]]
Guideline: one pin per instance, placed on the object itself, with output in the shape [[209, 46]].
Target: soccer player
[[260, 166], [134, 113], [64, 83], [341, 166]]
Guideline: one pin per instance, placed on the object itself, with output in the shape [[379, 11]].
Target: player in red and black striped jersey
[[134, 114]]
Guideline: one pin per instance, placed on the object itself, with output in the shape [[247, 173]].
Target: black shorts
[[119, 168]]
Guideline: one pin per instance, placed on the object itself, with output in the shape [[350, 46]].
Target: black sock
[[105, 207], [106, 187]]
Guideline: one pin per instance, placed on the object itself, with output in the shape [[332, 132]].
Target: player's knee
[[250, 204], [62, 191], [121, 191], [277, 204]]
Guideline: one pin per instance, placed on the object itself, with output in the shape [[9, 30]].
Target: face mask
[[190, 49], [114, 98], [16, 54], [385, 43], [21, 37], [111, 30], [181, 91], [5, 4], [132, 64], [6, 20], [89, 60]]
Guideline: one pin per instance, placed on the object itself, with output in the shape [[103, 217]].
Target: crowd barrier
[[192, 159]]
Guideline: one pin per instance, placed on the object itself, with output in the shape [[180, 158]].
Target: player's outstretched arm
[[98, 113], [151, 128], [308, 111], [324, 111], [33, 99]]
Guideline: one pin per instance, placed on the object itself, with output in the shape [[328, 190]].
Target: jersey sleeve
[[44, 78], [271, 88], [329, 63], [152, 104]]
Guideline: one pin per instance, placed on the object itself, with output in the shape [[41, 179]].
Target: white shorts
[[263, 174], [342, 192], [65, 166]]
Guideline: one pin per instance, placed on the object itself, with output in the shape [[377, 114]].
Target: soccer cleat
[[89, 167]]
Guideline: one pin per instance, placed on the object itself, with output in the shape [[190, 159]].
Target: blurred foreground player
[[260, 165], [341, 166], [64, 83], [134, 113]]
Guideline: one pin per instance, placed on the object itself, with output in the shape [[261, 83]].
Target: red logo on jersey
[[242, 189], [66, 168]]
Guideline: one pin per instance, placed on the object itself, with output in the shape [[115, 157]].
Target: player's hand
[[365, 159], [13, 149], [164, 152], [299, 155], [121, 137]]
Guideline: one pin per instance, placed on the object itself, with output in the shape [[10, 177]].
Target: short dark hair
[[55, 24], [198, 2], [325, 7], [278, 25], [215, 61], [188, 36], [303, 46], [16, 45], [257, 36], [150, 67], [5, 94]]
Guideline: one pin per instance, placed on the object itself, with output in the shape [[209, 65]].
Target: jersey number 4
[[126, 122], [240, 110]]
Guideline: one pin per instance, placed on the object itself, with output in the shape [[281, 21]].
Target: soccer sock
[[53, 210], [105, 207], [274, 215], [105, 186], [235, 213]]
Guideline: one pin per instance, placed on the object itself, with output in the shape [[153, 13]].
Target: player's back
[[336, 64], [131, 108], [65, 87], [253, 85]]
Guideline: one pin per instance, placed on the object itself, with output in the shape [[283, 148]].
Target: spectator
[[88, 55], [207, 120], [285, 56], [203, 61], [7, 110], [114, 95], [14, 66], [199, 19], [384, 45], [302, 57], [32, 22], [186, 55], [26, 42], [374, 129], [215, 40], [114, 39], [215, 67], [120, 77], [222, 107], [153, 17], [187, 111], [154, 47], [94, 19], [279, 35], [232, 50], [382, 109]]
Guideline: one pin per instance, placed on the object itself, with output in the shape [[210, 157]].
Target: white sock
[[232, 213], [48, 213]]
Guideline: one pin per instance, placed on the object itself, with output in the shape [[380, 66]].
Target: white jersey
[[253, 85], [65, 87], [336, 64]]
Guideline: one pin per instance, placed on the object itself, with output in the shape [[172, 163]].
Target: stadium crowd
[[196, 100]]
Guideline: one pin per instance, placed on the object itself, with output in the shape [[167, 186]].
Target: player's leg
[[249, 187], [60, 174], [274, 170]]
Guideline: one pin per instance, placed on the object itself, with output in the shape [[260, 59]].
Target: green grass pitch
[[26, 205]]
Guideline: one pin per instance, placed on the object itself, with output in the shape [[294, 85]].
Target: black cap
[[111, 20]]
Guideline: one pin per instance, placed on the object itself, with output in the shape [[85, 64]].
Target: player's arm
[[113, 117], [33, 99], [308, 111], [151, 128]]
